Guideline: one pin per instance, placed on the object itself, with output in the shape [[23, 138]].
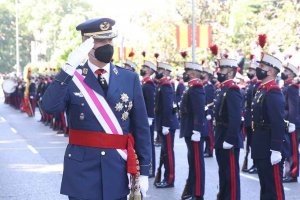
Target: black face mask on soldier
[[186, 77], [142, 72], [159, 75], [261, 74], [250, 76], [221, 77], [202, 77], [284, 76], [104, 53]]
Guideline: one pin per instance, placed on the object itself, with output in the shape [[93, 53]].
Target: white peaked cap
[[293, 68], [271, 61], [165, 66], [150, 65], [131, 64], [225, 62], [194, 66]]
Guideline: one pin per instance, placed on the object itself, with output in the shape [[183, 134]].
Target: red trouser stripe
[[277, 181], [210, 133], [232, 175], [197, 169], [295, 154], [170, 156]]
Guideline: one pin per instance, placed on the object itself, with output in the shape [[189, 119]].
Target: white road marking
[[13, 130], [256, 179], [32, 149]]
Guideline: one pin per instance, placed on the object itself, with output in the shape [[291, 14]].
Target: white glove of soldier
[[144, 185], [208, 117], [31, 97], [275, 157], [226, 145], [292, 127], [165, 130], [150, 121], [242, 119], [205, 108], [77, 56], [196, 136]]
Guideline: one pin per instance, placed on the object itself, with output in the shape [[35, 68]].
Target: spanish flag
[[184, 36], [118, 56]]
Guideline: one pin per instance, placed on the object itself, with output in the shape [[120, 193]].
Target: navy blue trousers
[[270, 178], [196, 175], [153, 163], [229, 174], [167, 151]]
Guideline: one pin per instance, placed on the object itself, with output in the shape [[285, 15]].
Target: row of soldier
[[36, 88], [222, 114]]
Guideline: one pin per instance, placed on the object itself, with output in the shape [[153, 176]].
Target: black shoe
[[164, 184], [187, 191], [252, 170], [207, 155], [290, 179], [60, 132]]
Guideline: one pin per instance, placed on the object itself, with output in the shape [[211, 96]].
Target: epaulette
[[233, 86], [295, 85], [273, 87]]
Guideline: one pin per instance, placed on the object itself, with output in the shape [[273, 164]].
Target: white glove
[[144, 185], [196, 136], [150, 121], [208, 117], [31, 97], [292, 127], [275, 157], [205, 108], [165, 130], [77, 56], [226, 145], [242, 119]]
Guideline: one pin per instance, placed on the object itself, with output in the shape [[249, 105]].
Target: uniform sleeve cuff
[[144, 170], [276, 145], [63, 77]]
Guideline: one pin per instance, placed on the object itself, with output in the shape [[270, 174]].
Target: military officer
[[192, 129], [228, 138], [250, 91], [179, 89], [130, 65], [107, 116], [209, 98], [32, 95], [166, 123], [291, 93], [268, 128], [149, 89]]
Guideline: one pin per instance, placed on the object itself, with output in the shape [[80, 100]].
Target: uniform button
[[103, 153], [82, 104], [69, 155], [62, 83]]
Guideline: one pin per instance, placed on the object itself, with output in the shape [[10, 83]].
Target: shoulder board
[[79, 67], [273, 87], [295, 85], [166, 83], [197, 85], [236, 87]]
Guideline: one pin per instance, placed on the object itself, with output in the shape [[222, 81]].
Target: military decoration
[[124, 106]]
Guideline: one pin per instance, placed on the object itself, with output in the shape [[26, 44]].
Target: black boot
[[187, 191]]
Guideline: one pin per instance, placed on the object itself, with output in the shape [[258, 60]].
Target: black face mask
[[186, 77], [202, 77], [213, 81], [142, 72], [104, 53], [159, 75], [284, 76], [250, 76], [221, 77], [261, 74]]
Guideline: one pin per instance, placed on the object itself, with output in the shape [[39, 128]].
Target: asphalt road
[[31, 157]]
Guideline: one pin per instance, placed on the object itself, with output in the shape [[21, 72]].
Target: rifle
[[245, 163], [157, 178]]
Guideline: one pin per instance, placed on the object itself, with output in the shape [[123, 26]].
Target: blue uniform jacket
[[227, 113], [93, 173], [192, 110], [291, 94], [268, 121], [210, 96], [179, 92], [249, 95], [148, 87], [165, 114]]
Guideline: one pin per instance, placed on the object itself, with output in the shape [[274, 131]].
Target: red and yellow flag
[[118, 54], [184, 36]]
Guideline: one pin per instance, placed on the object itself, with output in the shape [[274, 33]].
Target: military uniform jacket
[[267, 120], [165, 114], [291, 94], [179, 92], [32, 90], [192, 109], [148, 87], [209, 95], [94, 173], [249, 95], [227, 113]]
